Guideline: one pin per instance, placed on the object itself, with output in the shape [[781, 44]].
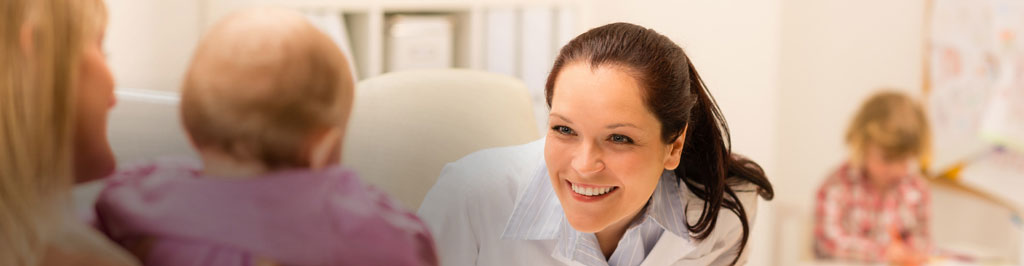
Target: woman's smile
[[590, 193]]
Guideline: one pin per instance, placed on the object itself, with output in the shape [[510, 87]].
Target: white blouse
[[470, 213]]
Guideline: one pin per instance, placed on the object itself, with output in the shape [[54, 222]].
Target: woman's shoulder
[[728, 221], [494, 169], [477, 193], [724, 240]]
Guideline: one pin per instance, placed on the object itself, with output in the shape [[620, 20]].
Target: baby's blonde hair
[[41, 46], [893, 122], [261, 83]]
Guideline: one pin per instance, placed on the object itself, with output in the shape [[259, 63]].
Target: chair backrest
[[145, 125], [406, 126]]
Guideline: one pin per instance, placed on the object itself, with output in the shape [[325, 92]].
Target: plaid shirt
[[854, 221]]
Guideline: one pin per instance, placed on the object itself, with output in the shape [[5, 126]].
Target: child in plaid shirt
[[875, 206]]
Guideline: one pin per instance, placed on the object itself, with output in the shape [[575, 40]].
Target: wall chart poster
[[976, 77]]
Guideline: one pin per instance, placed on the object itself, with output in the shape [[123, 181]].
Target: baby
[[265, 103]]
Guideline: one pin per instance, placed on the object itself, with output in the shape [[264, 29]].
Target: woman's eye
[[620, 139], [564, 130]]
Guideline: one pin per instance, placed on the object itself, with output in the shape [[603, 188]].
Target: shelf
[[366, 24]]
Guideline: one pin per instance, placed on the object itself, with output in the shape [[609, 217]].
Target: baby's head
[[265, 88]]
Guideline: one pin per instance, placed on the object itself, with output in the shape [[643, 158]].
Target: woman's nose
[[587, 160]]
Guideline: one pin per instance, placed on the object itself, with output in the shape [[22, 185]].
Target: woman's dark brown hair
[[676, 95]]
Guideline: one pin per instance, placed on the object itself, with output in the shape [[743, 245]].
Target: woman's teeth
[[591, 191]]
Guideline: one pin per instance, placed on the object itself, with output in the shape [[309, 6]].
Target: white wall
[[149, 43]]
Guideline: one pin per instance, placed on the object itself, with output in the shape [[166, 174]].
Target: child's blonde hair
[[41, 46], [261, 83], [893, 122]]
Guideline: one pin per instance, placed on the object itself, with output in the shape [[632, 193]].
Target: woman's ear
[[326, 149], [675, 151]]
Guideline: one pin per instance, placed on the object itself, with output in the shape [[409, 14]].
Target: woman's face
[[604, 150], [93, 158]]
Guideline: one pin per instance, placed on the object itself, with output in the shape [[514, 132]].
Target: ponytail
[[708, 167]]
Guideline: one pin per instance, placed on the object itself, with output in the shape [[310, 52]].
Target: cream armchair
[[406, 126]]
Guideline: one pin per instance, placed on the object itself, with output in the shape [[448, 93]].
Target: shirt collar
[[537, 214], [667, 206]]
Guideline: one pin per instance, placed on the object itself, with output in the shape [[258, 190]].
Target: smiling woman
[[603, 138], [635, 169]]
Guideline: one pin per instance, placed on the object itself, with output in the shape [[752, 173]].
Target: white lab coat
[[468, 207]]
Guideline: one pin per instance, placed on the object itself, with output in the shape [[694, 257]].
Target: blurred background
[[788, 75]]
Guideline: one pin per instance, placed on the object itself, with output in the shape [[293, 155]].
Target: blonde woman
[[55, 91]]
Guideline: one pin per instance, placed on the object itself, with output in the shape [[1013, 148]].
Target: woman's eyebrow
[[616, 125], [561, 117]]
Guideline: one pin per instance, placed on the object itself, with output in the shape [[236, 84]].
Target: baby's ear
[[326, 149]]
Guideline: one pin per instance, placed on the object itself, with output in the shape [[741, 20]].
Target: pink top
[[293, 217]]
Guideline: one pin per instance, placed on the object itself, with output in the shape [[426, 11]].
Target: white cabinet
[[419, 42]]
